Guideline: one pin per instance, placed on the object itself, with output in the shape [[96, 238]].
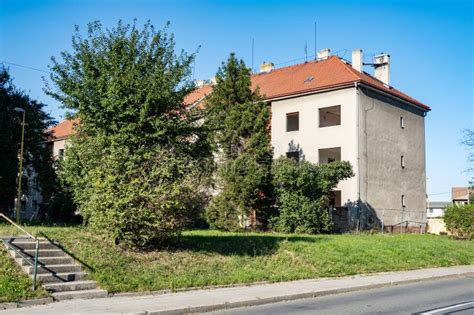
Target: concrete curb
[[26, 303], [209, 287]]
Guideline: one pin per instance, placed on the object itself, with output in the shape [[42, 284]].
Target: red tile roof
[[62, 130], [197, 95], [313, 76], [289, 81]]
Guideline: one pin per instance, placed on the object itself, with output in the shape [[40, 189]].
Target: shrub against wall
[[302, 193], [136, 163], [459, 220]]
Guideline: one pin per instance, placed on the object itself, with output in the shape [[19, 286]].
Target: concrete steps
[[62, 277], [57, 272]]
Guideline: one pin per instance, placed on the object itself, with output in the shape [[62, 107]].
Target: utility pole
[[20, 173]]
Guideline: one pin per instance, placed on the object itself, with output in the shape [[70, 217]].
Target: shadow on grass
[[242, 245]]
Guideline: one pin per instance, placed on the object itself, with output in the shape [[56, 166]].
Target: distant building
[[436, 208], [461, 195]]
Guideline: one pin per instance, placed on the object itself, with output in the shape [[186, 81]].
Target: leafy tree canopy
[[136, 164], [36, 158]]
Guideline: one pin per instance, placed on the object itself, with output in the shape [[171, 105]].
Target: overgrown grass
[[205, 258], [14, 283]]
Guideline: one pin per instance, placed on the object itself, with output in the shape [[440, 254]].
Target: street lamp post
[[20, 173]]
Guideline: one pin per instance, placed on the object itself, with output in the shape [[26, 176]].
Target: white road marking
[[444, 309]]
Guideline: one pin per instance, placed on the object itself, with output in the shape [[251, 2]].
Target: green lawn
[[214, 258]]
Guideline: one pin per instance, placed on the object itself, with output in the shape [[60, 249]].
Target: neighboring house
[[32, 198], [436, 208], [330, 110], [461, 195], [57, 137]]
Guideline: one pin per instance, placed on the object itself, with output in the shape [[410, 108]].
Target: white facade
[[311, 138]]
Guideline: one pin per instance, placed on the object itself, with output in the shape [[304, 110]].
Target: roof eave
[[418, 105]]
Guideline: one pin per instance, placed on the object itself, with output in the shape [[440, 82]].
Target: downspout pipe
[[358, 153]]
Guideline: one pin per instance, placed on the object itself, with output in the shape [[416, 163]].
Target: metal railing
[[407, 222], [27, 259]]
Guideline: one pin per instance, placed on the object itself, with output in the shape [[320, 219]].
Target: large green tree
[[137, 164], [36, 158], [239, 120]]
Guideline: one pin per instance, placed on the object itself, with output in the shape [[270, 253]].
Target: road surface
[[446, 296]]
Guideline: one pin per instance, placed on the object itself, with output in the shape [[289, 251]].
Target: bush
[[302, 190], [459, 220], [242, 180], [141, 199]]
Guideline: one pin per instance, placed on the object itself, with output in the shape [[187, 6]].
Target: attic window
[[309, 79]]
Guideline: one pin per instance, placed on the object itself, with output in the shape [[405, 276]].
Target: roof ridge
[[350, 69], [294, 66]]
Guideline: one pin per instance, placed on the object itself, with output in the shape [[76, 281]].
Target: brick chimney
[[324, 54], [266, 67], [382, 67]]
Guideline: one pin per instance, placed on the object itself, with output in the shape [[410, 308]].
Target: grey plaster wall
[[382, 142]]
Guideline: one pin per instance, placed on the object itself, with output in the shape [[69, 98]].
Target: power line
[[22, 66], [442, 193]]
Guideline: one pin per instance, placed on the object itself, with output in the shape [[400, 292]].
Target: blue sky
[[430, 43]]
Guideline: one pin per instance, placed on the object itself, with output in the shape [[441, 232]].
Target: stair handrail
[[35, 265]]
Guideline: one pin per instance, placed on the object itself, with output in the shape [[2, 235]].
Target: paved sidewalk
[[213, 299]]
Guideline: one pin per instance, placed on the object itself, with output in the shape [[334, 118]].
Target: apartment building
[[330, 109]]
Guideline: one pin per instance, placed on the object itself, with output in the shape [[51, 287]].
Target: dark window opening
[[292, 122]]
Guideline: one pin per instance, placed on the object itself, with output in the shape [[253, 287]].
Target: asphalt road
[[447, 296]]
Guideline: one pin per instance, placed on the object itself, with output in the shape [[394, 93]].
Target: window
[[329, 155], [61, 154], [402, 122], [292, 121], [330, 116], [293, 155], [402, 161], [403, 201]]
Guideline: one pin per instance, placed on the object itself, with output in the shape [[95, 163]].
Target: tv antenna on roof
[[253, 43], [315, 50]]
